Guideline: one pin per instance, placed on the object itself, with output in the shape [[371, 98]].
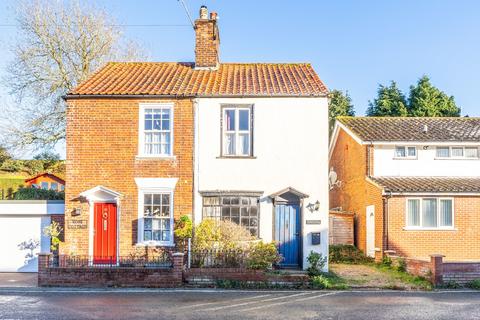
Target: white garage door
[[21, 238]]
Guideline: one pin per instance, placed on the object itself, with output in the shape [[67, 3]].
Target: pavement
[[18, 279], [51, 303]]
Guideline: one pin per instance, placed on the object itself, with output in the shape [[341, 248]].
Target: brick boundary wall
[[460, 272], [209, 276], [440, 272], [110, 277]]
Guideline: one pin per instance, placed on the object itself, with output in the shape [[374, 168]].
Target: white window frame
[[141, 129], [438, 199], [237, 132], [451, 157], [395, 156], [44, 183], [140, 231]]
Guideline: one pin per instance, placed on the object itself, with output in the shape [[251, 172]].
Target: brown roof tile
[[429, 184], [412, 129], [181, 79]]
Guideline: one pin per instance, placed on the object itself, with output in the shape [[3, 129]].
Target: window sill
[[430, 229], [155, 157], [451, 158], [236, 157], [155, 244], [405, 158]]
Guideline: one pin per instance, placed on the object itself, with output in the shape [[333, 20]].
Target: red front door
[[105, 233]]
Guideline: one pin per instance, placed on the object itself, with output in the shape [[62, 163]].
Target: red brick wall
[[207, 43], [351, 162], [462, 243], [102, 144]]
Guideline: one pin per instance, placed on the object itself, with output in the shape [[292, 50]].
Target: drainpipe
[[388, 195]]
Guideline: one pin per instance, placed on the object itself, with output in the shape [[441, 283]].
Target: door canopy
[[288, 195]]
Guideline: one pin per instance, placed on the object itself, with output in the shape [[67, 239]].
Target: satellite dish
[[333, 179]]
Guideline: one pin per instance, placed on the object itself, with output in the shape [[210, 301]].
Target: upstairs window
[[156, 130], [403, 152], [457, 152], [237, 131]]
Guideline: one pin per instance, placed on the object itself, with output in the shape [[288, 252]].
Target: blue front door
[[287, 233]]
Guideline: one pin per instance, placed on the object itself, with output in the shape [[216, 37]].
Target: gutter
[[385, 198], [189, 96]]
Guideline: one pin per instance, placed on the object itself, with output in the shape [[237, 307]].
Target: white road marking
[[295, 300], [259, 301], [218, 302]]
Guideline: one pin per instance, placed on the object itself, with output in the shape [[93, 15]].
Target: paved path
[[18, 279], [211, 304]]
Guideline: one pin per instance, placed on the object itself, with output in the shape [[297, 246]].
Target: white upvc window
[[456, 152], [237, 131], [403, 152], [155, 223], [429, 213], [156, 130]]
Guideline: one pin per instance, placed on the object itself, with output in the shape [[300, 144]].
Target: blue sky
[[353, 45]]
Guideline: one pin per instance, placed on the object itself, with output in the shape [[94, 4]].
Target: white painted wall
[[426, 164], [290, 149]]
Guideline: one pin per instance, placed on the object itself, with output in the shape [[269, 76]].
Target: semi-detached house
[[148, 142], [412, 183]]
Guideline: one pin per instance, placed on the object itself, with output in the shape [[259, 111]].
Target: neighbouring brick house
[[412, 183], [148, 142]]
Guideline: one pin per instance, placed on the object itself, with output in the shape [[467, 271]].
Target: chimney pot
[[203, 12], [213, 15]]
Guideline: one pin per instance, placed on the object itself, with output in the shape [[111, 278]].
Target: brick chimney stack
[[207, 40]]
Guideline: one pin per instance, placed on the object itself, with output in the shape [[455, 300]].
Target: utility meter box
[[316, 238]]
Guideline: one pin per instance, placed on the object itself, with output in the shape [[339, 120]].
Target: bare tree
[[58, 46]]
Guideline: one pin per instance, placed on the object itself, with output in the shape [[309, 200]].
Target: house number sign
[[77, 224], [313, 222]]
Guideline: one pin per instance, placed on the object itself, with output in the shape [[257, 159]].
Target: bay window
[[237, 131], [429, 213], [156, 130], [242, 210]]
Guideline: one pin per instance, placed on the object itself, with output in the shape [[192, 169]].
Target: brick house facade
[[107, 155], [370, 157]]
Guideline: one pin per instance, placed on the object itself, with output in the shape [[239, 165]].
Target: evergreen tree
[[390, 102], [425, 100], [339, 104]]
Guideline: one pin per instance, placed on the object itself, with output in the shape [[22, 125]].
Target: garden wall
[[161, 277], [210, 277]]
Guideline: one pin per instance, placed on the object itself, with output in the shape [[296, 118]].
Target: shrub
[[401, 265], [38, 194], [53, 231], [387, 261], [475, 284], [183, 228], [222, 235], [344, 253], [316, 263], [321, 282], [262, 256]]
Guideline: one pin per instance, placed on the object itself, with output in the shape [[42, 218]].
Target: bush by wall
[[343, 253]]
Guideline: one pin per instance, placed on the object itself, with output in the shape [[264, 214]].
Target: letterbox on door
[[316, 238]]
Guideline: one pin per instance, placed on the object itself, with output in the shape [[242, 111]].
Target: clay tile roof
[[181, 79], [413, 129], [429, 184]]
